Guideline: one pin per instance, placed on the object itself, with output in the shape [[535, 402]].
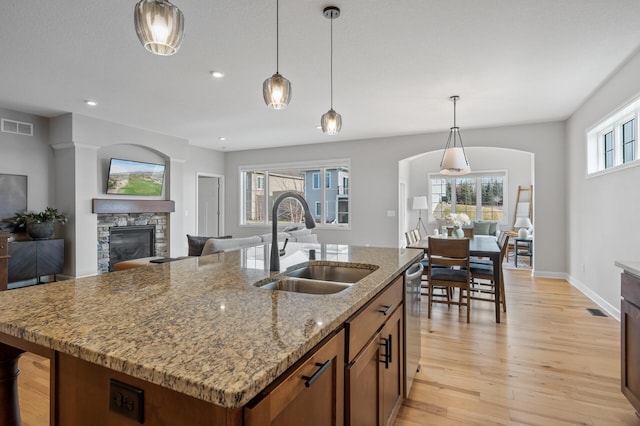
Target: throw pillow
[[493, 227], [480, 228], [196, 243]]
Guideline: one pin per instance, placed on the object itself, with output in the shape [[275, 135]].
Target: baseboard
[[609, 308], [552, 275]]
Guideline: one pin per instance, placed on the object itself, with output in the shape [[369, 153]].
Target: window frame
[[314, 167], [596, 164], [478, 176]]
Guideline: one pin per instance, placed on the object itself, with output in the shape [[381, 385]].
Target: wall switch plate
[[391, 213], [126, 400]]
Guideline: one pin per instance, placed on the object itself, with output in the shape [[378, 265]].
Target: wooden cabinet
[[35, 259], [311, 395], [630, 339], [374, 374], [4, 260]]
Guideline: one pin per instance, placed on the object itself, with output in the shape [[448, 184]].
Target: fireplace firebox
[[130, 242]]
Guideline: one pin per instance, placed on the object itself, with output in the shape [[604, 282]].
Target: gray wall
[[603, 211], [375, 175]]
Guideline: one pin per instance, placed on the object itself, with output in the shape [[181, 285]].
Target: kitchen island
[[198, 326]]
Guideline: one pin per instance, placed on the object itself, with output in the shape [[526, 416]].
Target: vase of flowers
[[457, 220], [40, 224]]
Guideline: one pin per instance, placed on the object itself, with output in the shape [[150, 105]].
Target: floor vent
[[17, 127], [596, 312]]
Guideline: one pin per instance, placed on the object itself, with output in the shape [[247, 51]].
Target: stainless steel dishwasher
[[413, 345]]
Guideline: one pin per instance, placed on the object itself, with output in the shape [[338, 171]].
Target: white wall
[[516, 164], [31, 156], [374, 183], [603, 211]]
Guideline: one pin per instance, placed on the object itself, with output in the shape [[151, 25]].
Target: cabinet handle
[[314, 376], [386, 359], [387, 310], [390, 349]]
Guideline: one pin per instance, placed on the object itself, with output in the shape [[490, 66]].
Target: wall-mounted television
[[13, 199], [128, 177]]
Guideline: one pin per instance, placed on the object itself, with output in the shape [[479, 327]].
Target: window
[[628, 141], [607, 140], [480, 195], [263, 184], [613, 143]]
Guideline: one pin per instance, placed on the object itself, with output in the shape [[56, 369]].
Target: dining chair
[[483, 270], [449, 268]]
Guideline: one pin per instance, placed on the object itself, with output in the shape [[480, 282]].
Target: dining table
[[479, 246]]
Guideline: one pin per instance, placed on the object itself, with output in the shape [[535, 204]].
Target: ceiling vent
[[17, 127]]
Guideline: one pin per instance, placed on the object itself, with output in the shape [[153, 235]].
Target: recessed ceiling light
[[91, 103], [217, 74], [222, 138], [319, 127]]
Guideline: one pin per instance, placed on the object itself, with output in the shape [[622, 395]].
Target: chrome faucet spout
[[308, 222]]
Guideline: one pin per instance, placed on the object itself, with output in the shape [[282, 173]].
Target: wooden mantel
[[118, 205]]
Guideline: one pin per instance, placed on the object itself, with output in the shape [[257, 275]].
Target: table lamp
[[524, 224]]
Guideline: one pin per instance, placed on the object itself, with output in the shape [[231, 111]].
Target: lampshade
[[276, 91], [454, 160], [522, 222], [159, 26], [420, 203], [331, 122]]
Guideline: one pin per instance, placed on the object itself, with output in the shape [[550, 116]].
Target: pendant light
[[276, 90], [159, 25], [454, 160], [331, 121]]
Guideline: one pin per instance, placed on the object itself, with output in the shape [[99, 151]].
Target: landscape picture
[[135, 178]]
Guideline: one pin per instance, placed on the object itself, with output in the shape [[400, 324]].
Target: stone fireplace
[[152, 241]]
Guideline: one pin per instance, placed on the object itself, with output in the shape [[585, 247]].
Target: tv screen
[[135, 178]]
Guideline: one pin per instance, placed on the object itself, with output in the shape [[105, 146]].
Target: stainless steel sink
[[305, 286], [342, 274]]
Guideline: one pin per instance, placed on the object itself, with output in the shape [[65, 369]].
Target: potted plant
[[40, 224]]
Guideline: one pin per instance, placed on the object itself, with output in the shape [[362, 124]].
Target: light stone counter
[[632, 267], [197, 325]]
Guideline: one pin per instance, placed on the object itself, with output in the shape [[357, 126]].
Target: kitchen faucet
[[308, 222]]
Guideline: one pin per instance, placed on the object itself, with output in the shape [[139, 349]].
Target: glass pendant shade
[[159, 26], [276, 91], [331, 122]]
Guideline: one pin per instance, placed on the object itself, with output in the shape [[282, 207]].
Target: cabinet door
[[22, 263], [313, 395], [363, 383], [630, 353], [50, 257], [391, 370]]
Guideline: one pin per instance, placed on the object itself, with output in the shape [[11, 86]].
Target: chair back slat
[[448, 251]]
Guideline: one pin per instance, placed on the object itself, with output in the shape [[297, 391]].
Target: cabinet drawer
[[313, 394], [630, 288], [363, 325]]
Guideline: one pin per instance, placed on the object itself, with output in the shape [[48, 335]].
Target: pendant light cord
[[277, 36], [331, 61]]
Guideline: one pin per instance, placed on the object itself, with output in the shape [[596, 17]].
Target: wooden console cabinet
[[4, 260], [630, 338], [35, 259]]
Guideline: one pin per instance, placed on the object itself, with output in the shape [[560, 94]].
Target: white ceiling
[[395, 65]]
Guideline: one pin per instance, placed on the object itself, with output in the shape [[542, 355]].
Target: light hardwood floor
[[549, 363]]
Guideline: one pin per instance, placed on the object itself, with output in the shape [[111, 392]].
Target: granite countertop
[[631, 266], [197, 325]]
